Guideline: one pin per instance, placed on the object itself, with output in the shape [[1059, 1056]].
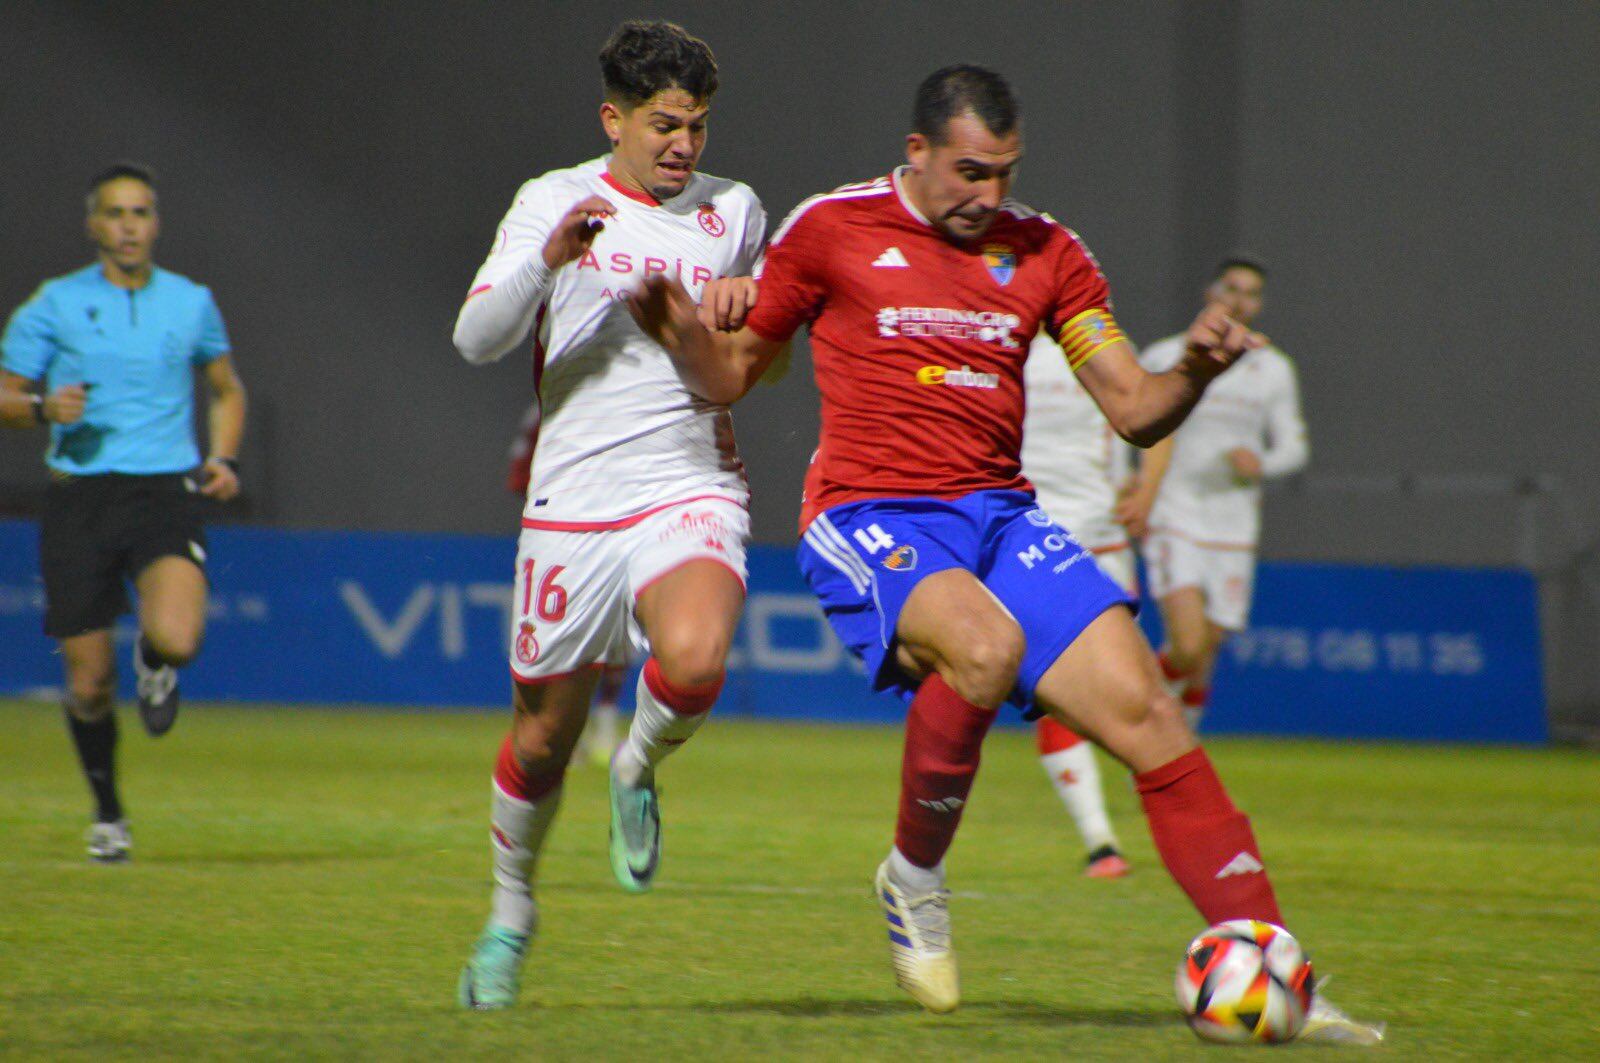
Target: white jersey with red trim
[[619, 433], [1070, 453], [1254, 405]]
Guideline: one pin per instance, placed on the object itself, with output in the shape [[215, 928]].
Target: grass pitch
[[306, 884]]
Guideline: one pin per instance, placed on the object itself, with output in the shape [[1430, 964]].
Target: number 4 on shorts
[[873, 538]]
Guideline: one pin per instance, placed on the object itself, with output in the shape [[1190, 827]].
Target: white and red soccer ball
[[1245, 981]]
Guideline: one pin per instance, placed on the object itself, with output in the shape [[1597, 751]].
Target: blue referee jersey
[[135, 350]]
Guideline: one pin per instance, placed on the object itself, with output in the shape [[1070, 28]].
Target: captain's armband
[[1084, 336]]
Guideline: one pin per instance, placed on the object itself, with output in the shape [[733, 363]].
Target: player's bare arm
[[22, 407], [726, 302], [1145, 407], [220, 478], [717, 366]]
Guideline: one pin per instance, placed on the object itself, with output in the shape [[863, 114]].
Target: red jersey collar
[[632, 193], [905, 200]]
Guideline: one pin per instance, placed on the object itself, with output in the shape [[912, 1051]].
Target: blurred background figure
[[1204, 513], [1076, 462], [107, 356]]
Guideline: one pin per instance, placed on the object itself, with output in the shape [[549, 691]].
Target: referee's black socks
[[96, 742]]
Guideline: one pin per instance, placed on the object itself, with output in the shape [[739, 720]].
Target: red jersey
[[918, 342]]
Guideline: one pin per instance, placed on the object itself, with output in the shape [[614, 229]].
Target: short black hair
[[117, 171], [1241, 260], [642, 58], [964, 89]]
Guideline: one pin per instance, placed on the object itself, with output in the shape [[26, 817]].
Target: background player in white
[[1200, 554], [1077, 464], [635, 524]]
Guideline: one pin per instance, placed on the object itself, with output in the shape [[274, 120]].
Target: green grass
[[306, 884]]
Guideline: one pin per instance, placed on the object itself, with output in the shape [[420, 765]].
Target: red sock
[[1205, 841], [944, 736], [685, 701], [512, 780], [1054, 736], [1168, 669]]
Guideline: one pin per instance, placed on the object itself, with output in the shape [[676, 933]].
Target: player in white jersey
[[1200, 555], [634, 531], [1077, 464]]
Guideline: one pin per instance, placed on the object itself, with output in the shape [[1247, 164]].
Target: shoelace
[[930, 914]]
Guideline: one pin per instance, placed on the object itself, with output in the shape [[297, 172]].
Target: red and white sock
[[1073, 771], [1205, 841], [520, 813], [944, 737], [1177, 680], [1195, 698], [664, 718]]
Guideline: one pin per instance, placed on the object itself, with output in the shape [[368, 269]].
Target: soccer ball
[[1245, 981]]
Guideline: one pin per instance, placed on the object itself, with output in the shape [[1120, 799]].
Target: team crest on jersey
[[710, 220], [902, 558], [1002, 262], [527, 647]]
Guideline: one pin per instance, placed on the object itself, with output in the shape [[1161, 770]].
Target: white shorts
[[1226, 576], [575, 590]]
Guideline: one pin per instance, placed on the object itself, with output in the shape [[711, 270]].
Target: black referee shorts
[[99, 532]]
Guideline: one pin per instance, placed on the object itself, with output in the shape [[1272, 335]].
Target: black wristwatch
[[231, 463], [38, 409]]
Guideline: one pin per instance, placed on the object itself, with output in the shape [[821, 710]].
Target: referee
[[106, 357]]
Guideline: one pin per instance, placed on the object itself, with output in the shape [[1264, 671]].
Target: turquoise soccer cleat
[[489, 980], [635, 831]]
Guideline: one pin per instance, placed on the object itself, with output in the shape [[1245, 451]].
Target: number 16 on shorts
[[541, 604]]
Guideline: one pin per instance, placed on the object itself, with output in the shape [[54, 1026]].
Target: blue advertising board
[[390, 618]]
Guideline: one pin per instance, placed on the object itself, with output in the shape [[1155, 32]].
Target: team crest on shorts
[[710, 220], [1039, 518], [1002, 262], [527, 647], [902, 558]]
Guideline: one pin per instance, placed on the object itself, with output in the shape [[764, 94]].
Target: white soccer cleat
[[919, 943], [1329, 1025], [110, 843]]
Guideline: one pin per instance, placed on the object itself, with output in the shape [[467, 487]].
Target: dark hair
[[1241, 260], [643, 58], [116, 171], [963, 89]]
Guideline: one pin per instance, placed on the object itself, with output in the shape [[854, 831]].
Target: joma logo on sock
[[943, 804]]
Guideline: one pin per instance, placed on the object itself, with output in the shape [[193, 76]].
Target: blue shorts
[[862, 560]]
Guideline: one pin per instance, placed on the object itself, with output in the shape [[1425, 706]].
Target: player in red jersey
[[921, 537]]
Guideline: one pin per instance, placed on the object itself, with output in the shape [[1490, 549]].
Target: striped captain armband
[[1083, 336]]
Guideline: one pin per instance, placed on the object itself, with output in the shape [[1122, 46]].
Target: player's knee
[[690, 660], [92, 693], [177, 644], [538, 745], [985, 669]]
